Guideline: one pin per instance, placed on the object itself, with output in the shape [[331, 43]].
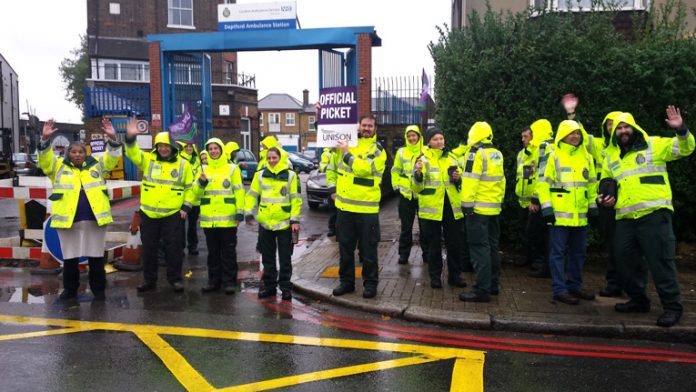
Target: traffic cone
[[47, 265], [133, 250]]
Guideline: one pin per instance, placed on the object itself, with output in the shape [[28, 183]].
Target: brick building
[[120, 69], [290, 120]]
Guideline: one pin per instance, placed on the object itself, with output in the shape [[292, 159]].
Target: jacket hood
[[282, 163], [542, 130], [211, 160], [481, 131], [567, 127], [268, 142], [413, 148], [163, 137], [627, 118], [460, 150], [191, 158], [605, 134]]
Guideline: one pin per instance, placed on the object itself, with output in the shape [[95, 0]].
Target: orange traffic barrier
[[47, 265], [133, 250]]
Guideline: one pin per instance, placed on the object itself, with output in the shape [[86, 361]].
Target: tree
[[74, 71]]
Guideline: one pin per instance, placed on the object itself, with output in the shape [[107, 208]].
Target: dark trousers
[[97, 275], [465, 255], [483, 233], [268, 241], [607, 229], [190, 228], [434, 231], [351, 228], [332, 217], [222, 255], [168, 230], [648, 240], [537, 237], [408, 210], [567, 251]]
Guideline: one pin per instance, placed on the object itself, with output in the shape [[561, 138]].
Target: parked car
[[300, 164], [24, 165], [311, 156], [247, 163], [318, 191]]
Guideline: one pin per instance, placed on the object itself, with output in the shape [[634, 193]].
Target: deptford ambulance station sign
[[262, 16], [338, 116]]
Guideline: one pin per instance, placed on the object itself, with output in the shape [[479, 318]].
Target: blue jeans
[[567, 243]]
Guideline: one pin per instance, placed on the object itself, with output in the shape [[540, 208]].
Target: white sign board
[[261, 16], [224, 110], [337, 116]]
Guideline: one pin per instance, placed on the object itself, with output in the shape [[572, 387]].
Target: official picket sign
[[97, 146], [261, 16], [338, 116]]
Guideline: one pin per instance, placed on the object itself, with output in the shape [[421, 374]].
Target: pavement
[[524, 304]]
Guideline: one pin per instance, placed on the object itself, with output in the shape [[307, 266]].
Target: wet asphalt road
[[224, 341]]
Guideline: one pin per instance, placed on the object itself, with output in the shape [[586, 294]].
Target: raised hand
[[108, 128], [132, 127], [49, 129], [674, 118], [570, 102]]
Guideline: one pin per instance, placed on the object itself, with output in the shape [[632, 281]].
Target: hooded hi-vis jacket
[[568, 187], [433, 184], [167, 184], [405, 157], [278, 191], [531, 161], [597, 146], [641, 172], [483, 180], [68, 180], [221, 195], [195, 161]]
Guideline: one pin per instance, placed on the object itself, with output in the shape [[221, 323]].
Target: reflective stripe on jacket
[[435, 185], [483, 180], [222, 196], [358, 176], [278, 194]]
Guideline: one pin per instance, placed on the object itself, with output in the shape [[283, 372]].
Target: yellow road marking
[[50, 332], [467, 373], [175, 362], [330, 373]]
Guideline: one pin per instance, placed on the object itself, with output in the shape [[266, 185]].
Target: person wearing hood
[[230, 151], [356, 185], [607, 215], [81, 208], [643, 204], [166, 198], [277, 190], [203, 157], [401, 174], [221, 193], [190, 153], [531, 163], [567, 190], [482, 192], [436, 180], [267, 143]]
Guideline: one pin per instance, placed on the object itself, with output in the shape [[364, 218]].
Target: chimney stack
[[305, 98]]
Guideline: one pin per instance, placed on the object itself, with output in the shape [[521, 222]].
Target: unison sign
[[262, 16], [338, 116]]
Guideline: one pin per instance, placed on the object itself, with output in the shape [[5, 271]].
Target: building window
[[290, 119], [260, 119], [230, 74], [121, 70], [586, 5], [115, 8], [274, 122], [111, 71], [312, 123], [180, 13]]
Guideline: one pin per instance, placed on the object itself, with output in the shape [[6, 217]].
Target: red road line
[[490, 346]]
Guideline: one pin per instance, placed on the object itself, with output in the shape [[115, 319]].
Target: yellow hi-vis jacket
[[568, 186], [195, 163], [597, 146], [278, 191], [325, 159], [641, 173], [483, 179], [68, 180], [221, 195], [433, 184], [167, 185], [357, 176], [404, 160], [531, 161]]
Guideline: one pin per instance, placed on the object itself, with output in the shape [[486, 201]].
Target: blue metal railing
[[100, 101]]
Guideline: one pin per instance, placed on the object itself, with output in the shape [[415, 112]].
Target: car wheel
[[313, 205]]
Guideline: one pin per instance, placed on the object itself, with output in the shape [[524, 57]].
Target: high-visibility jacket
[[433, 184], [483, 178], [531, 161], [597, 146], [221, 195], [195, 163], [568, 186], [325, 159], [278, 191], [356, 176], [641, 172], [167, 185], [402, 170], [68, 180]]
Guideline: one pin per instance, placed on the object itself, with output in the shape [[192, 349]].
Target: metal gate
[[189, 81], [331, 69]]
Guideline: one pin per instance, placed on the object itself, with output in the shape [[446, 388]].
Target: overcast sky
[[38, 34]]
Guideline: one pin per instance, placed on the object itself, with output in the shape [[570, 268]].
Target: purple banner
[[339, 105], [183, 129]]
